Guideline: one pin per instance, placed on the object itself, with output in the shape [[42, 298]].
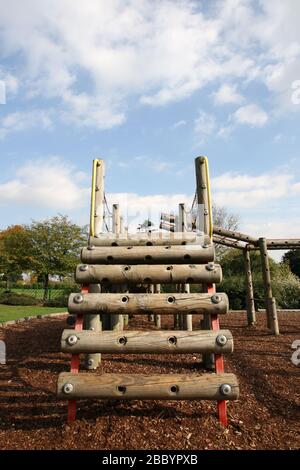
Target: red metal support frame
[[219, 363], [75, 361]]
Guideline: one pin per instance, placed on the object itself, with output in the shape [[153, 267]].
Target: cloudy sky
[[148, 86]]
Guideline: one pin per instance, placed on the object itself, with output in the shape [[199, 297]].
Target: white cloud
[[251, 114], [156, 52], [180, 123], [45, 183], [20, 121], [227, 94], [204, 126], [246, 191]]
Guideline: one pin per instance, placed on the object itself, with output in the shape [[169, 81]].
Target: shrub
[[11, 298]]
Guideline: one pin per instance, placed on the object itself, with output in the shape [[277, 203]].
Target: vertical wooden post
[[93, 322], [157, 318], [116, 321], [97, 197], [204, 203], [186, 320], [271, 309], [251, 316], [150, 290]]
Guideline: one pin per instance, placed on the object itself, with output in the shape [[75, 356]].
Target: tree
[[292, 258], [54, 247], [14, 253]]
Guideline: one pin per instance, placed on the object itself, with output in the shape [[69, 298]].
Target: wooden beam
[[202, 190], [147, 239], [251, 315], [147, 274], [97, 197], [229, 243], [167, 226], [235, 235], [148, 342], [271, 311], [116, 322], [148, 387], [163, 304], [150, 254], [185, 320]]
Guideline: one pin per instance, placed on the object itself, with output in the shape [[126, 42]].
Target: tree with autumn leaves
[[47, 248]]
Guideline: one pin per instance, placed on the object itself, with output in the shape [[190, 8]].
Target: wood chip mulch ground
[[267, 415]]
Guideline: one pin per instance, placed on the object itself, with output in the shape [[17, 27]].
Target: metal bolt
[[83, 267], [206, 245], [91, 247], [221, 340], [68, 388], [203, 186], [90, 362], [225, 389], [92, 328], [210, 266], [216, 299], [78, 299], [205, 212], [72, 339]]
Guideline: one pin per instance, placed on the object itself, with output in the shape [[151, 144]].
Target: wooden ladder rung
[[148, 387]]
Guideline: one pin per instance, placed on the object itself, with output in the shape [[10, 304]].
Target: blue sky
[[148, 86]]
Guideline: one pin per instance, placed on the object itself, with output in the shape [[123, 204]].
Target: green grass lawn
[[13, 312]]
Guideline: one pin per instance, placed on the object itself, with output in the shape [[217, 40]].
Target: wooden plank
[[148, 255], [149, 274], [148, 342], [147, 387], [162, 304], [148, 239]]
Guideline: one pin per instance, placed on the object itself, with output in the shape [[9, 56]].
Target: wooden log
[[148, 387], [166, 226], [203, 196], [163, 304], [186, 321], [93, 323], [280, 242], [167, 218], [149, 255], [235, 235], [148, 342], [148, 239], [97, 197], [116, 321], [251, 315], [148, 274], [157, 317], [271, 312], [229, 243]]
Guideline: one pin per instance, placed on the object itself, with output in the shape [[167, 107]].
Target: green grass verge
[[12, 312]]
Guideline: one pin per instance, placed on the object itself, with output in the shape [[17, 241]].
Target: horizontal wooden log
[[147, 342], [228, 242], [148, 239], [149, 274], [148, 387], [167, 217], [166, 226], [153, 304], [235, 235], [281, 244], [149, 254]]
